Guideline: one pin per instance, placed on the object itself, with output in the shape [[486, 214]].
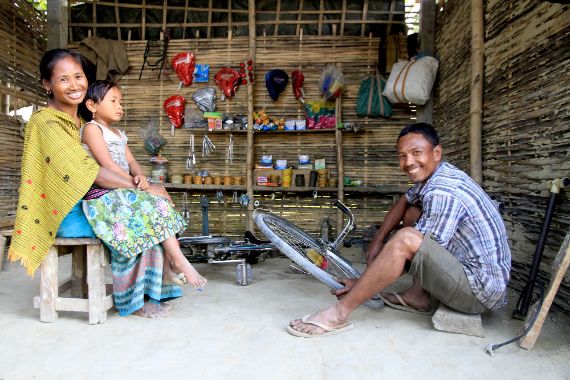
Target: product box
[[320, 164]]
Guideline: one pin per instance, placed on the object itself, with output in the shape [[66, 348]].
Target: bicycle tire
[[295, 243]]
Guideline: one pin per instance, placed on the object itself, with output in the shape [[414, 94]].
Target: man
[[457, 252]]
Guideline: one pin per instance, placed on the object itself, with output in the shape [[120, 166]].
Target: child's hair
[[96, 92], [53, 56]]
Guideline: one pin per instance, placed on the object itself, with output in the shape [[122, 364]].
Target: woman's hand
[[159, 190], [141, 181]]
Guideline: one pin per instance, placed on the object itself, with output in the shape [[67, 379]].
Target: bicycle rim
[[307, 252]]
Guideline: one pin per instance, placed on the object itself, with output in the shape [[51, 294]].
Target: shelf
[[379, 189], [257, 131], [184, 187], [293, 189]]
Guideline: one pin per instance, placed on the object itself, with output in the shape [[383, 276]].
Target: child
[[129, 220]]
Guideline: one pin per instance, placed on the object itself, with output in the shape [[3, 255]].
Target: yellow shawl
[[56, 173]]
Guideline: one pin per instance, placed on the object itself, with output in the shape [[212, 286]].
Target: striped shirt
[[463, 219]]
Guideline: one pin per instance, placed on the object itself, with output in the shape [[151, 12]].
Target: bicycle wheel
[[310, 254]]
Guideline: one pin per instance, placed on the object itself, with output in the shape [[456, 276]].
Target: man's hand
[[159, 190], [371, 254], [348, 284], [141, 181]]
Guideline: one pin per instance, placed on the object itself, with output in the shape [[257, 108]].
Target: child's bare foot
[[152, 310], [192, 276], [171, 277]]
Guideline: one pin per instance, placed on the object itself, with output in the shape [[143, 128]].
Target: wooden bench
[[87, 281], [4, 235]]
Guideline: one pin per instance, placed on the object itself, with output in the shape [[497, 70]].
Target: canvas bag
[[370, 102], [411, 81]]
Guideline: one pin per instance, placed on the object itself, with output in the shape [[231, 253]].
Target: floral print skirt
[[132, 221]]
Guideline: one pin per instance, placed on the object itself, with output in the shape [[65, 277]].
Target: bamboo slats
[[10, 162], [22, 32], [526, 129]]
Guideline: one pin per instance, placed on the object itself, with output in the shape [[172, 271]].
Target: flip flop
[[403, 305], [328, 329]]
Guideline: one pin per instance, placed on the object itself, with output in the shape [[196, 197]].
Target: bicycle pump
[[205, 204], [523, 303]]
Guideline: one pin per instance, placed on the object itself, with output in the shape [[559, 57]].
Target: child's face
[[68, 83], [110, 109]]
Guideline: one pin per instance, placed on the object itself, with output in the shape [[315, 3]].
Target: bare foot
[[192, 276], [152, 310], [333, 317], [414, 300], [169, 277]]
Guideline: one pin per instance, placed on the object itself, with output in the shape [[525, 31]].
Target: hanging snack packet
[[183, 64], [174, 108]]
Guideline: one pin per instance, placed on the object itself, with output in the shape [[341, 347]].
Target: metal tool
[[207, 146], [191, 160], [230, 150]]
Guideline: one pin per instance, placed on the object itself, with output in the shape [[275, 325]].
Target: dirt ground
[[238, 332]]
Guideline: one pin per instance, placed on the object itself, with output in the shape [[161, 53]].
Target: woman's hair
[[52, 57], [96, 92], [424, 129]]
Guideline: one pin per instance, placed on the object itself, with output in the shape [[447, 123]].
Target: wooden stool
[[93, 285], [4, 235]]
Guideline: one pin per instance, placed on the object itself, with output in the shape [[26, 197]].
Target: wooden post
[[96, 284], [477, 73], [250, 137], [339, 161], [49, 287], [427, 45], [57, 36], [559, 268]]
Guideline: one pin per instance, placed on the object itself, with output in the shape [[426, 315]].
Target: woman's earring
[[49, 92]]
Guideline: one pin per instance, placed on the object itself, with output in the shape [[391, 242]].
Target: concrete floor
[[230, 331]]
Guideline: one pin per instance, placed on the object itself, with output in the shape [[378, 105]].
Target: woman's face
[[68, 84]]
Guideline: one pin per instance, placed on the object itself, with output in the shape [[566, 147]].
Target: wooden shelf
[[184, 187], [329, 130], [294, 189], [379, 189]]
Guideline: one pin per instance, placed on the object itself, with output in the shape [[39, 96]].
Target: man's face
[[418, 158]]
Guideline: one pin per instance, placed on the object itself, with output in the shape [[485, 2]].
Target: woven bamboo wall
[[22, 32], [369, 154], [451, 101], [526, 125], [10, 162]]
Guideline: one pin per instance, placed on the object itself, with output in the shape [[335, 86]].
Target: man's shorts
[[441, 274]]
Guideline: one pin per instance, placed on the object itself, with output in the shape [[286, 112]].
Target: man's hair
[[424, 129]]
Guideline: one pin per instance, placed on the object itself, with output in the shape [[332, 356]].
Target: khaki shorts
[[441, 274]]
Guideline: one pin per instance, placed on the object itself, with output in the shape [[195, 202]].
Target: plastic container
[[281, 164], [300, 124], [303, 159]]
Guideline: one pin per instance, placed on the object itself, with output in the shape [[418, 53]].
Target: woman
[[57, 172]]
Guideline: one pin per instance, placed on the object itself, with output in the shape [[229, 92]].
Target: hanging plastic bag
[[276, 81], [153, 141], [205, 99], [174, 108], [332, 82], [202, 73], [370, 101], [183, 64], [298, 79], [228, 81]]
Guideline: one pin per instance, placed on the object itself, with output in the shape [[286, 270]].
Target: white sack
[[411, 81]]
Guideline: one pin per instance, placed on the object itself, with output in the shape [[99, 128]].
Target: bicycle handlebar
[[346, 230]]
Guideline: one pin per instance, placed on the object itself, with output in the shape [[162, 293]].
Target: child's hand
[[142, 182]]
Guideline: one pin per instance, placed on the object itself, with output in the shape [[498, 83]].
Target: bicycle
[[317, 256]]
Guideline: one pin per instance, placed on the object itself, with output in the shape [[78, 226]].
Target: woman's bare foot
[[152, 310]]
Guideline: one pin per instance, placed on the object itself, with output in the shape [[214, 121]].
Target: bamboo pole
[[476, 108], [339, 160], [250, 142]]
